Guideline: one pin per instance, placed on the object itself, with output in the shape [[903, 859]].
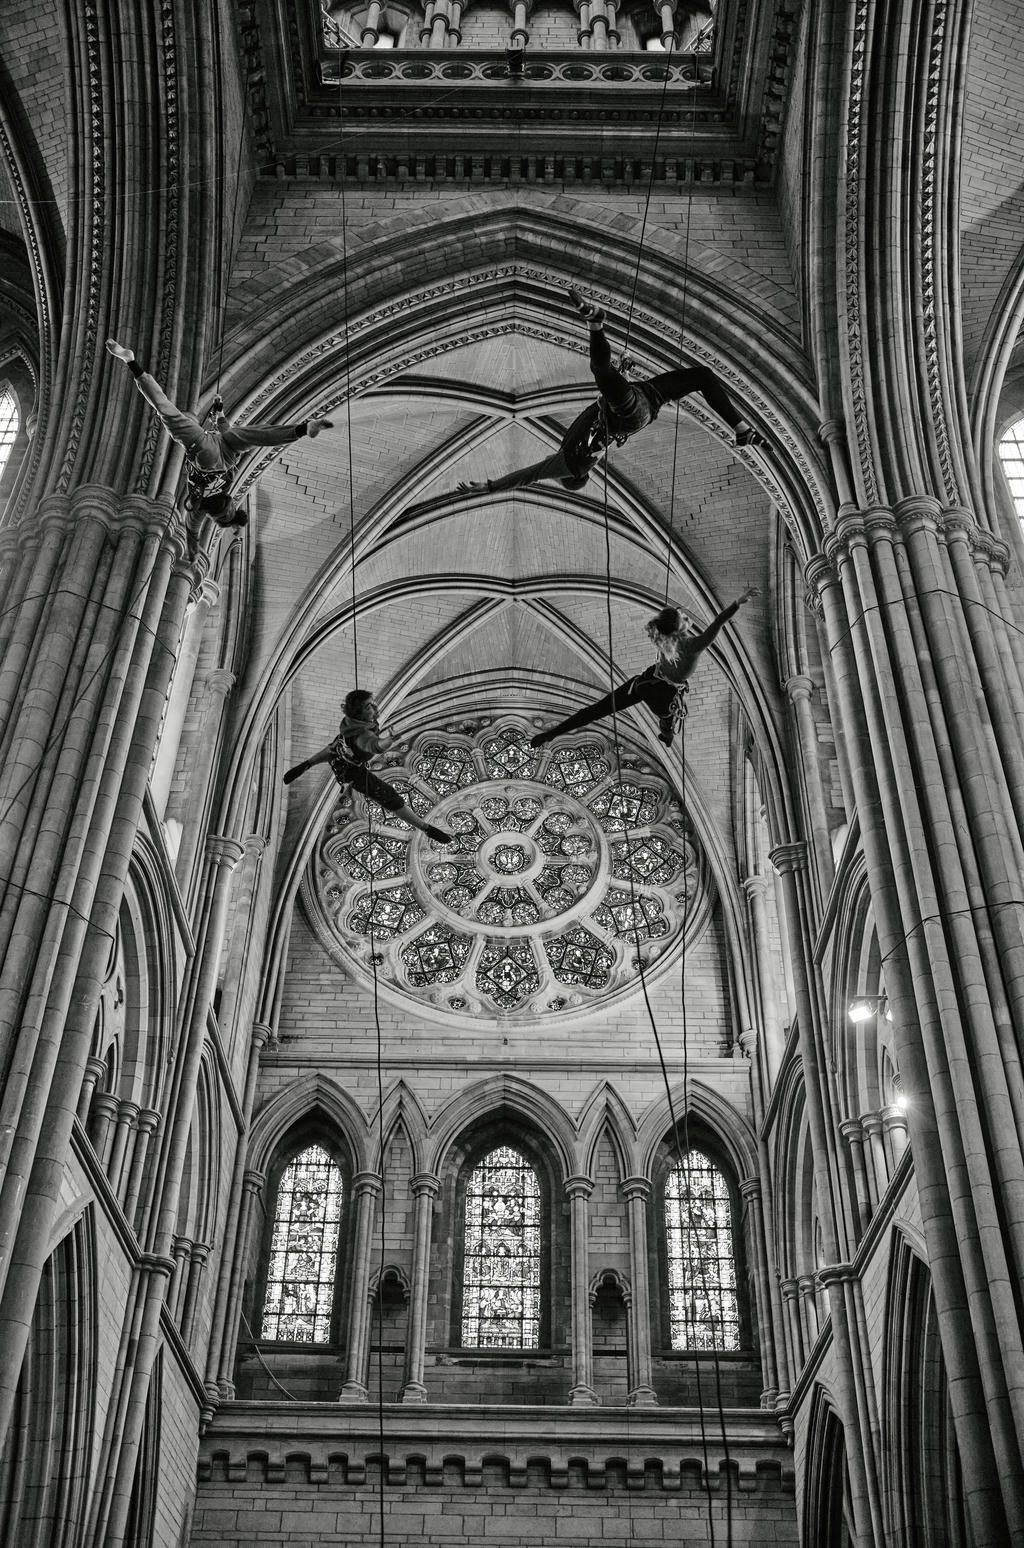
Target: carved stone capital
[[425, 1185], [799, 687], [578, 1187], [635, 1188], [223, 851], [220, 681], [789, 857], [367, 1184], [835, 1274]]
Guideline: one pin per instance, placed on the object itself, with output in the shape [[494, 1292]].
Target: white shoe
[[120, 351]]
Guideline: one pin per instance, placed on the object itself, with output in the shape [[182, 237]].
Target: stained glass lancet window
[[304, 1250], [8, 424], [1011, 455], [703, 1309], [501, 1275]]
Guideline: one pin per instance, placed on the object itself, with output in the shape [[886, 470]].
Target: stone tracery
[[563, 867]]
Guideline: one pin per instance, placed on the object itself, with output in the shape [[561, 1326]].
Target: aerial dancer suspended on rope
[[357, 741], [210, 455], [623, 408], [663, 686]]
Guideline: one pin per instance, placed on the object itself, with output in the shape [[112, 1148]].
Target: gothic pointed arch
[[708, 1107], [310, 1096], [605, 1115], [504, 1095]]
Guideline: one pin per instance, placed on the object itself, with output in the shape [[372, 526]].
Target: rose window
[[568, 871]]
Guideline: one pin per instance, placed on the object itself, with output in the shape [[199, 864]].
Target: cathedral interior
[[625, 1144]]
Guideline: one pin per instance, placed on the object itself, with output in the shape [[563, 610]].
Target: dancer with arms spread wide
[[662, 685], [623, 408], [210, 455], [358, 740]]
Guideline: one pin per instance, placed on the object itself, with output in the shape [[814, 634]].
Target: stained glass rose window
[[568, 869]]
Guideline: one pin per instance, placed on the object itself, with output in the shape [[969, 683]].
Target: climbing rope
[[369, 816], [675, 1127]]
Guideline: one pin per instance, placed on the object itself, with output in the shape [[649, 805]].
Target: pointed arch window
[[704, 1308], [302, 1267], [1011, 455], [9, 422], [501, 1300]]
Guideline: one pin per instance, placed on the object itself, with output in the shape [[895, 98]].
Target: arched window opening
[[502, 1245], [9, 419], [1011, 455], [703, 1305], [301, 1272]]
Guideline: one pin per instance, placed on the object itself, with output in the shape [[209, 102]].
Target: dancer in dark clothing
[[358, 740], [623, 408], [210, 455], [662, 685]]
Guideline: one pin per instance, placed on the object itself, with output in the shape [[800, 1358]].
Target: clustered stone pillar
[[92, 614], [425, 1189], [223, 854], [895, 613], [368, 1188], [581, 1393], [520, 35], [253, 1183], [756, 888], [235, 1235], [637, 1193], [790, 861], [799, 690]]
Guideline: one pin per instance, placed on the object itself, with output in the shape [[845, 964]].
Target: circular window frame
[[352, 818]]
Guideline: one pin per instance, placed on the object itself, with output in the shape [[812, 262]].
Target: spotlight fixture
[[515, 58], [867, 1005]]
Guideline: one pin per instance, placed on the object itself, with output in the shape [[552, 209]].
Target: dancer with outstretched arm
[[358, 740], [623, 408], [662, 685]]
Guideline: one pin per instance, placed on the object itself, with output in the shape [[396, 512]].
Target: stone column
[[920, 963], [750, 1192], [756, 888], [180, 691], [894, 1129], [853, 1133], [667, 12], [101, 1123], [181, 1251], [146, 1127], [235, 1238], [94, 1069], [197, 1262], [127, 1117], [219, 684], [871, 1123], [581, 1393], [799, 690], [368, 1189], [808, 1289], [637, 1193], [223, 855], [790, 860], [425, 1189], [791, 1298], [252, 1187], [370, 34], [520, 14]]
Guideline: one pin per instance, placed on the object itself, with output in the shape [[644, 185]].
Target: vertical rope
[[348, 366], [661, 1056], [650, 190]]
